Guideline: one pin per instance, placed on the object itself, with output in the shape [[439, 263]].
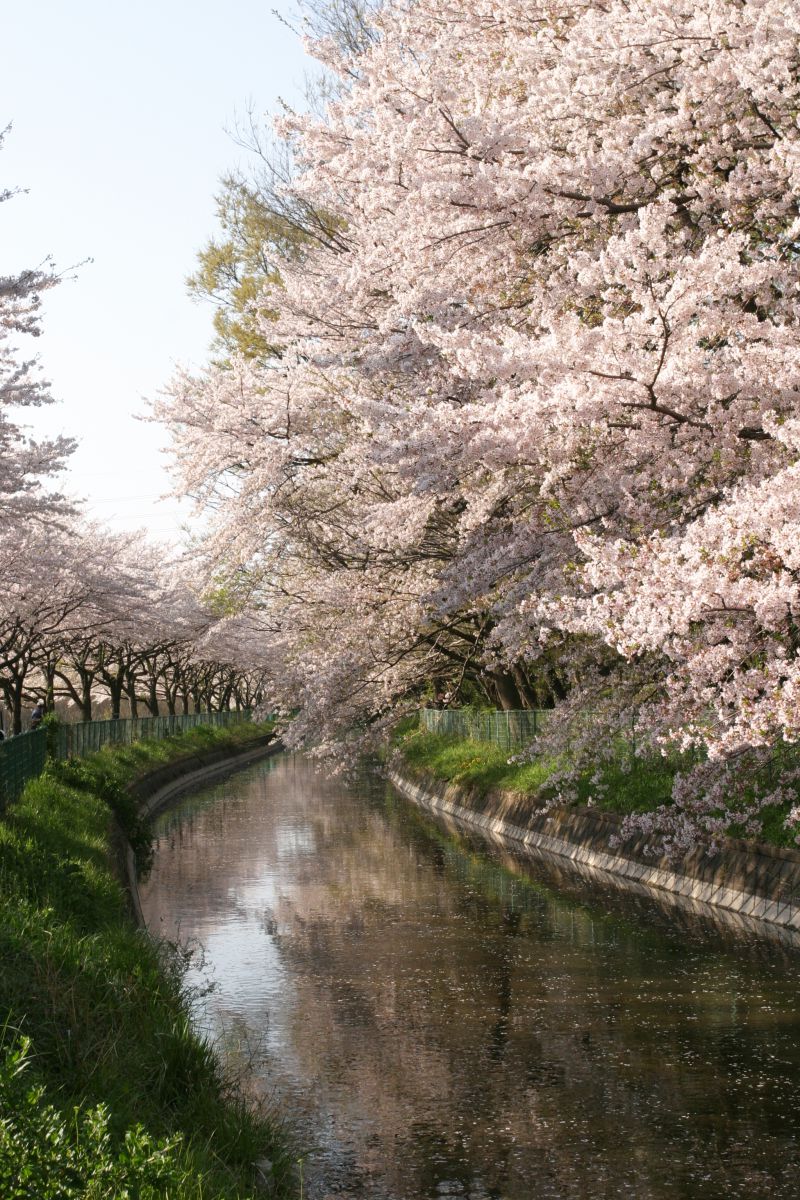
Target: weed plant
[[105, 1090]]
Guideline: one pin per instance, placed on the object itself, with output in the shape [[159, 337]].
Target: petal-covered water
[[439, 1017]]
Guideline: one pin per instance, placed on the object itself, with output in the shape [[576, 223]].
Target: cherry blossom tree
[[110, 621], [82, 611], [67, 583], [539, 384], [26, 465]]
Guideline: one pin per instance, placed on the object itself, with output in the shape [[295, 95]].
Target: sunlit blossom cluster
[[541, 375]]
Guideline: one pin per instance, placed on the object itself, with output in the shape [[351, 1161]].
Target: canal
[[439, 1017]]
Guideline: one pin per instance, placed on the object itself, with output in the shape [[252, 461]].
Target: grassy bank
[[617, 786], [105, 1092], [623, 785]]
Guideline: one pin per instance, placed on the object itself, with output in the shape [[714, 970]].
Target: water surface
[[440, 1017]]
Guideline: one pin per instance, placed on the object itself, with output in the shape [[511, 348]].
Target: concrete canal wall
[[758, 883]]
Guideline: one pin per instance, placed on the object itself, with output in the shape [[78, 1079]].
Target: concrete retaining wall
[[757, 882]]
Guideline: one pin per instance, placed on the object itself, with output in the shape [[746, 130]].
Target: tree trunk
[[115, 692], [50, 685], [86, 698], [527, 698], [505, 689], [152, 698]]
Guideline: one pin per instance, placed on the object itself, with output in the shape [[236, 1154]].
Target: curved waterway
[[438, 1017]]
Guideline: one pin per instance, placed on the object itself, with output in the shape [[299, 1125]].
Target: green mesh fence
[[86, 736], [23, 757], [509, 730]]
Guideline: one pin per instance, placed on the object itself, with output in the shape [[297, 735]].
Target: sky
[[121, 118]]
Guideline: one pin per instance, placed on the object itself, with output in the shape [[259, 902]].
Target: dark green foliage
[[773, 824], [47, 1155]]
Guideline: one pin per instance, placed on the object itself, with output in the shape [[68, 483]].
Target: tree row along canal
[[439, 1017]]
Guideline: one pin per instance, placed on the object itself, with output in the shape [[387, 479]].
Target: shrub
[[46, 1154]]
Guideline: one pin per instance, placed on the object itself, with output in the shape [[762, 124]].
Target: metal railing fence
[[23, 757], [509, 730]]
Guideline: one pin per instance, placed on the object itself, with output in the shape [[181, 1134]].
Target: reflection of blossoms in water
[[428, 1013]]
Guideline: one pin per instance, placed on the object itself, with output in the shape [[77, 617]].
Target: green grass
[[621, 784], [103, 1084], [621, 788], [140, 757], [473, 764]]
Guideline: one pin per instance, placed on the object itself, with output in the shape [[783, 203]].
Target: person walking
[[37, 714]]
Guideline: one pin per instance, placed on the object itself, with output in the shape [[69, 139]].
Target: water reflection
[[442, 1019]]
